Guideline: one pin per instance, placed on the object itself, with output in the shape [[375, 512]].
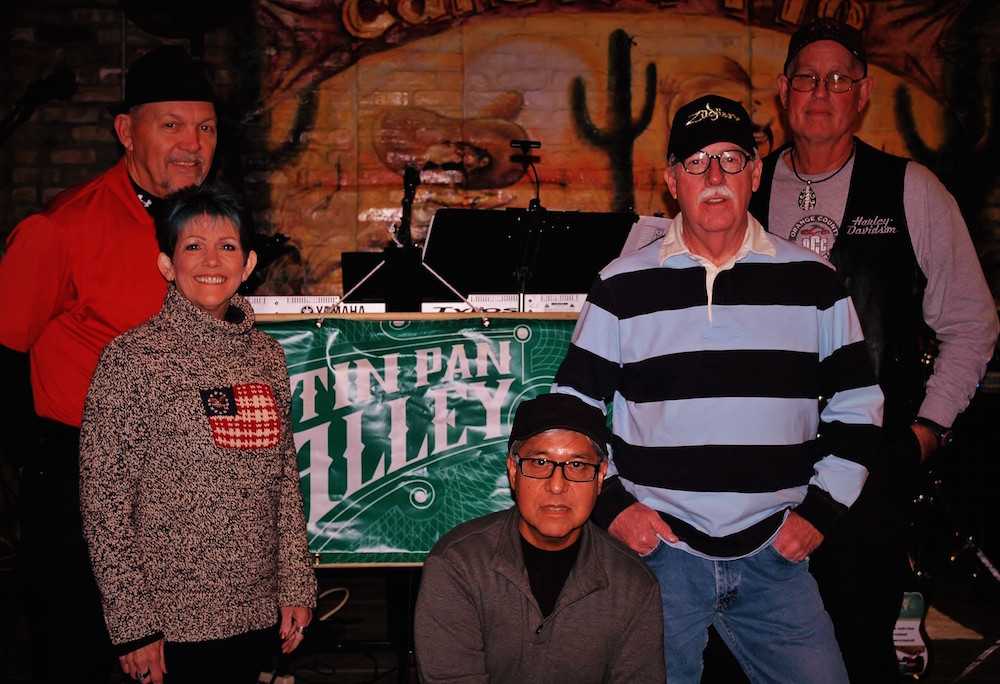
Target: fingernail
[[282, 635]]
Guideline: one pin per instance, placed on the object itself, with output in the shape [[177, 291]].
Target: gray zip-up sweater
[[189, 485], [477, 620]]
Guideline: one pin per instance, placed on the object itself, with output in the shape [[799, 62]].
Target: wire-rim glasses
[[730, 161], [543, 469], [835, 83]]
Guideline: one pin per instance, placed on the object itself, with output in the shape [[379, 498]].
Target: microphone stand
[[526, 159], [59, 85], [401, 259], [401, 233]]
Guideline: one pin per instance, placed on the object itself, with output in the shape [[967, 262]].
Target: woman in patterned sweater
[[189, 481]]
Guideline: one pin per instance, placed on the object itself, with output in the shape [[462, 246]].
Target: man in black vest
[[897, 238]]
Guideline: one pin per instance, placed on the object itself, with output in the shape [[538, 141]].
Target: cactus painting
[[617, 139]]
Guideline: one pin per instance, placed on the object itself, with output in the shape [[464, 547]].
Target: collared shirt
[[755, 240], [75, 275], [715, 418]]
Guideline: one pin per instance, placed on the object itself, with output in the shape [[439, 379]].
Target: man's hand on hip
[[641, 528], [797, 538]]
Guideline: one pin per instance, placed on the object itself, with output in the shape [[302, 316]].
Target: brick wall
[[65, 143]]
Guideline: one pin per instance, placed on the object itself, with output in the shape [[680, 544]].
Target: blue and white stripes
[[723, 422]]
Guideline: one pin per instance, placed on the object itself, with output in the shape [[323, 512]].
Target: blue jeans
[[766, 608]]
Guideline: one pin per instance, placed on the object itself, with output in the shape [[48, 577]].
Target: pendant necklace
[[807, 198]]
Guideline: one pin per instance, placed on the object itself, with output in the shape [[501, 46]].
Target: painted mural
[[358, 92]]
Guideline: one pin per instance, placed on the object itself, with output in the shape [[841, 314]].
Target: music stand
[[394, 276], [516, 251]]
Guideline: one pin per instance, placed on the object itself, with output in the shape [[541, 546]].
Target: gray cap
[[828, 29]]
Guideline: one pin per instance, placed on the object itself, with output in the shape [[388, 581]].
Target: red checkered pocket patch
[[243, 416]]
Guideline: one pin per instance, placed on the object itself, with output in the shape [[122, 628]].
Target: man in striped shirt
[[744, 409]]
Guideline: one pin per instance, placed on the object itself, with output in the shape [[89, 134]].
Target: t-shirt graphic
[[816, 233]]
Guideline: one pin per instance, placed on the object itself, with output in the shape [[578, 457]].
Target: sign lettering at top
[[401, 426]]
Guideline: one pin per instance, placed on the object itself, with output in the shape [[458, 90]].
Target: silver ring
[[302, 631], [144, 676]]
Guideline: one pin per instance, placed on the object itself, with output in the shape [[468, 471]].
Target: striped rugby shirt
[[737, 393]]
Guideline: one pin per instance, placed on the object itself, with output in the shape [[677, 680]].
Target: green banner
[[401, 425]]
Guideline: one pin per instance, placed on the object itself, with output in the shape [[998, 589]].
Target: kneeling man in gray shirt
[[538, 593]]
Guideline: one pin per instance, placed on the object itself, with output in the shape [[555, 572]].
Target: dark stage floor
[[353, 646]]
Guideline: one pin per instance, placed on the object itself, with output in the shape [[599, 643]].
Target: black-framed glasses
[[835, 83], [543, 468], [730, 161]]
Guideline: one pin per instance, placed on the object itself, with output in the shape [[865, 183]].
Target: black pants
[[68, 639], [235, 660], [861, 567]]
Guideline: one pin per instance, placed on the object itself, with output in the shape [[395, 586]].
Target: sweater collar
[[177, 308]]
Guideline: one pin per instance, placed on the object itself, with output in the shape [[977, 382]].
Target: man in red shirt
[[75, 275]]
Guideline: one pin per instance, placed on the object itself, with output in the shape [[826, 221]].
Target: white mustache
[[716, 191]]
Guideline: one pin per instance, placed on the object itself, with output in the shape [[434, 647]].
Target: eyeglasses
[[835, 83], [542, 469], [730, 161]]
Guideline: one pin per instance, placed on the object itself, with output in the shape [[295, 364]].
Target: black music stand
[[395, 277], [491, 252], [518, 251]]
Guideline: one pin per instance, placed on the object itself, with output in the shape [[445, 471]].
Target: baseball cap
[[709, 119], [166, 74], [558, 412], [828, 29]]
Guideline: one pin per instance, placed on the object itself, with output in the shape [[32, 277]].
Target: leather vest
[[874, 256]]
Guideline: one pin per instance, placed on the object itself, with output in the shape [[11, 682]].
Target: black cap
[[167, 74], [708, 120], [828, 29], [558, 412]]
